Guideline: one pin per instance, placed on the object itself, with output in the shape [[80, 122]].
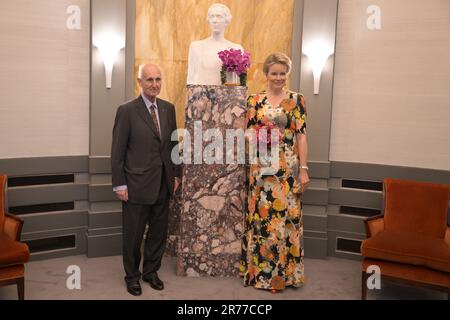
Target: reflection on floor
[[102, 278]]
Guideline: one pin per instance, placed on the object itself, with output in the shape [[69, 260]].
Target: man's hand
[[122, 195], [176, 184]]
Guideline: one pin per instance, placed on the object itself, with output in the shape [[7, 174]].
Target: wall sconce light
[[109, 46], [317, 53]]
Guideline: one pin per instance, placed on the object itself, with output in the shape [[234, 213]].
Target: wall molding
[[43, 165]]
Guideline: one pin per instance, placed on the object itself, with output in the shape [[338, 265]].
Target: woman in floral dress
[[272, 245]]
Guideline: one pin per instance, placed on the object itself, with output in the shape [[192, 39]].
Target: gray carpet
[[102, 278]]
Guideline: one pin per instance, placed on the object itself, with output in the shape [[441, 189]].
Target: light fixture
[[317, 52], [109, 45]]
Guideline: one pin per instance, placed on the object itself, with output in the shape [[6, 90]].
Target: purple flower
[[235, 60]]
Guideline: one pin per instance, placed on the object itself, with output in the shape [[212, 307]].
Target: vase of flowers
[[231, 78], [235, 64]]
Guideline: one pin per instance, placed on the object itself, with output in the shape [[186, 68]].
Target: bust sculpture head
[[219, 17]]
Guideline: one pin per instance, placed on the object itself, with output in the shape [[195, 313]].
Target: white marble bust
[[204, 64]]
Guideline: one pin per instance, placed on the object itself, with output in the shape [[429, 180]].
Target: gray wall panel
[[105, 219], [319, 18], [43, 165], [346, 223], [318, 210], [296, 55], [376, 172], [30, 195], [39, 222], [99, 165], [106, 15], [101, 193], [80, 243], [319, 169], [314, 234], [356, 198], [101, 179], [94, 232], [315, 248], [316, 196], [314, 222], [129, 49], [332, 244], [104, 245], [106, 206]]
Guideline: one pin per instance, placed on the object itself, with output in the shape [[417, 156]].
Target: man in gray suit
[[144, 176]]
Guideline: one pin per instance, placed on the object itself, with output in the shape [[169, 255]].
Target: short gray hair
[[275, 58], [226, 11]]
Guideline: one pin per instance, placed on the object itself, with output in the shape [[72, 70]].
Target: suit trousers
[[135, 217]]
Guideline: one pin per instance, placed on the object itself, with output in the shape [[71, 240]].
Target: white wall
[[44, 79], [391, 101]]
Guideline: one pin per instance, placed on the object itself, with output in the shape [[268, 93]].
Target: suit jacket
[[138, 154]]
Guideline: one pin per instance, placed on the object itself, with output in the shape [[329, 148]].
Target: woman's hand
[[304, 179]]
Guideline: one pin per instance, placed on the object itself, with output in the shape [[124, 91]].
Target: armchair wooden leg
[[364, 285], [21, 288]]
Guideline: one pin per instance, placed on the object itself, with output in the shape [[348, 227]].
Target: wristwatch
[[304, 167]]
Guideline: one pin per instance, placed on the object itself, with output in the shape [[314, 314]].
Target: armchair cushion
[[374, 226], [416, 207], [12, 252], [418, 249]]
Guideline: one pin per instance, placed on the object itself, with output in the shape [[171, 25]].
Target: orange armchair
[[13, 253], [410, 242]]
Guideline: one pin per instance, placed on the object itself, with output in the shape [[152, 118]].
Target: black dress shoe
[[154, 281], [134, 288]]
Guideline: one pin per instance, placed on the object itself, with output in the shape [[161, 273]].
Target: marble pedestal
[[175, 206], [211, 219]]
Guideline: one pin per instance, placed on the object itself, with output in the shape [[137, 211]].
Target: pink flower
[[235, 60]]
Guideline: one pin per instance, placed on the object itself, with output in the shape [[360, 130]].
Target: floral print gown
[[272, 244]]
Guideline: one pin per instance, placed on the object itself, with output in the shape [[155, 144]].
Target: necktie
[[154, 118]]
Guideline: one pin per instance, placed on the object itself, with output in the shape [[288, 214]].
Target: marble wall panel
[[154, 29], [273, 25]]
